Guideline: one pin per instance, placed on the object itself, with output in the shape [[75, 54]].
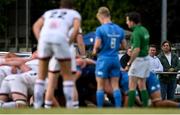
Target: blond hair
[[103, 11]]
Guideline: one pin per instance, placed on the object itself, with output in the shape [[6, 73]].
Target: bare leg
[[52, 83], [158, 102]]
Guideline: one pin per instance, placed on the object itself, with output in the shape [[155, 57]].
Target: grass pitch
[[92, 111]]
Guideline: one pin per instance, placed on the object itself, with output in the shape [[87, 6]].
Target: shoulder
[[74, 12], [99, 28], [51, 11], [160, 55]]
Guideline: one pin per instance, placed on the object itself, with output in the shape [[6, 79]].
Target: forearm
[[134, 54], [81, 45]]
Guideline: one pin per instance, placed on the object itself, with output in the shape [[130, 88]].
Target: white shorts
[[58, 49], [140, 67], [5, 71], [19, 83], [54, 64]]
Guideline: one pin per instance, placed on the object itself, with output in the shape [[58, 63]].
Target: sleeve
[[98, 34], [160, 67], [45, 14], [136, 40], [177, 67], [77, 15]]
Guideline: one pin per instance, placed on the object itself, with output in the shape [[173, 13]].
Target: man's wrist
[[128, 64], [83, 56]]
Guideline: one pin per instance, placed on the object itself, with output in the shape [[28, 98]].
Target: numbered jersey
[[57, 22], [111, 36]]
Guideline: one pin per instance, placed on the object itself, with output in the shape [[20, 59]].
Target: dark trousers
[[168, 89]]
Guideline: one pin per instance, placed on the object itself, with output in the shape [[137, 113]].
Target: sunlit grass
[[92, 111]]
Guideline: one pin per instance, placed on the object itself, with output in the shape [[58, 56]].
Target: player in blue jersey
[[109, 36]]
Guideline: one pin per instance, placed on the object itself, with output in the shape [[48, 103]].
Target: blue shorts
[[124, 82], [152, 83], [107, 67], [78, 68]]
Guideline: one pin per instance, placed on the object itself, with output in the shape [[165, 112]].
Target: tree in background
[[3, 18]]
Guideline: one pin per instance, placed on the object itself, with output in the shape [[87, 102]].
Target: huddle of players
[[51, 31]]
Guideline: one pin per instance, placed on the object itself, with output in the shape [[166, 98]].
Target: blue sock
[[117, 98], [100, 98]]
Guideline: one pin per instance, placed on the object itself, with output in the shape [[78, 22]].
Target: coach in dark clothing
[[125, 58], [170, 63]]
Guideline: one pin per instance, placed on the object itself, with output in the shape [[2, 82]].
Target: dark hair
[[134, 16], [153, 46], [166, 41], [33, 49], [67, 3]]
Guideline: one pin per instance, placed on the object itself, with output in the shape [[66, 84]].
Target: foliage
[[3, 18], [88, 10], [149, 9]]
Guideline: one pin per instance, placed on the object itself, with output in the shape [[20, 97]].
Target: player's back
[[111, 35], [33, 64], [58, 22]]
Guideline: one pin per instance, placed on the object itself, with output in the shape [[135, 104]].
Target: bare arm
[[90, 61], [37, 27], [134, 54], [16, 61], [76, 26], [81, 45], [97, 45], [123, 44]]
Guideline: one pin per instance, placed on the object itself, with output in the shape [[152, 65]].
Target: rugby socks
[[39, 90], [75, 104], [48, 104], [145, 98], [117, 97], [131, 98], [9, 104], [100, 98], [68, 87]]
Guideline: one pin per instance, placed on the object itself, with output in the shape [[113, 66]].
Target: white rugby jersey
[[33, 64], [6, 70], [58, 22]]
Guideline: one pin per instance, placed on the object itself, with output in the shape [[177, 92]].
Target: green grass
[[92, 111]]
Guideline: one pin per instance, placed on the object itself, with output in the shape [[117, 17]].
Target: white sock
[[9, 104], [68, 87], [48, 104], [39, 90], [75, 104]]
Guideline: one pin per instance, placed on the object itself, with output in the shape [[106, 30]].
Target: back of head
[[34, 49], [67, 4], [10, 54], [134, 16], [103, 11]]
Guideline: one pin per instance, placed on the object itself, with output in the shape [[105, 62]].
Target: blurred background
[[161, 17]]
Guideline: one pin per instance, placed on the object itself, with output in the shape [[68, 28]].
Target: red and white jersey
[[58, 22], [5, 70], [33, 64]]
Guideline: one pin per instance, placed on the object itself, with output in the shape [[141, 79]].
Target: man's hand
[[126, 68], [171, 70]]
